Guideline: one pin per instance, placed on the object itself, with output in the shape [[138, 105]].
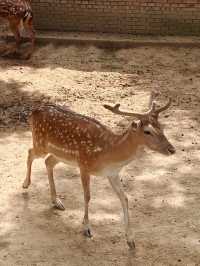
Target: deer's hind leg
[[85, 178], [32, 155], [51, 162]]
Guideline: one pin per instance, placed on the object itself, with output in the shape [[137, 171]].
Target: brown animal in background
[[65, 136], [17, 12]]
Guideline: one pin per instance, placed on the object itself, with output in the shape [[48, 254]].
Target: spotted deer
[[18, 12], [66, 136]]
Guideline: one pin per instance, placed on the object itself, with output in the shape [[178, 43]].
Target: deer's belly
[[68, 161], [64, 155]]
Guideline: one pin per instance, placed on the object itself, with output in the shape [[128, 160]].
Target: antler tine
[[152, 107], [152, 98], [165, 107], [115, 109]]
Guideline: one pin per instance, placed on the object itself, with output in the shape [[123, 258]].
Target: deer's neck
[[126, 146]]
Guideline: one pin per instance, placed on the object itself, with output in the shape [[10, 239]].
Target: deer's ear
[[140, 124], [134, 126]]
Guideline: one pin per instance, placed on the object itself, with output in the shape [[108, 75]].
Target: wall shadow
[[16, 104]]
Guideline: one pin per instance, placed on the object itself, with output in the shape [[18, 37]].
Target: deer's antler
[[152, 110], [115, 109], [153, 96], [165, 107]]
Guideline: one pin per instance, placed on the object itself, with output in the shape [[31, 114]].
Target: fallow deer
[[18, 12], [66, 136]]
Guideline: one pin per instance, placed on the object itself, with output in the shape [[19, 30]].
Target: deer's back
[[14, 8], [57, 130]]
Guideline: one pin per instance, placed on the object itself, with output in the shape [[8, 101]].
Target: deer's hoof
[[87, 232], [58, 204], [26, 184], [131, 244]]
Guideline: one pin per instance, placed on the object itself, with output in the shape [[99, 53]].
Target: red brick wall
[[165, 17]]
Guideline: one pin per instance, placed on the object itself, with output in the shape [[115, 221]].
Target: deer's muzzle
[[171, 150]]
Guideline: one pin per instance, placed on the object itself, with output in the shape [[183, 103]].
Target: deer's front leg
[[116, 185], [85, 178], [50, 162]]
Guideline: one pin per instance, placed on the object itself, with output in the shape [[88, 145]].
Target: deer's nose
[[171, 149]]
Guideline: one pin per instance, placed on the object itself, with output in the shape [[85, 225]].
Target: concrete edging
[[111, 41]]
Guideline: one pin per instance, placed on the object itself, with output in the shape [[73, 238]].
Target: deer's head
[[148, 128]]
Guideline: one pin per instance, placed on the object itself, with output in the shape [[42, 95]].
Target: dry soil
[[163, 191]]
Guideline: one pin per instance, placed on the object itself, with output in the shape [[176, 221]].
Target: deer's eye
[[147, 132]]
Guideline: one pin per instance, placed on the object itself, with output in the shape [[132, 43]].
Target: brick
[[166, 17]]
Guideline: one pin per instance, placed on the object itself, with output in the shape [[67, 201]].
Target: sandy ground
[[163, 191]]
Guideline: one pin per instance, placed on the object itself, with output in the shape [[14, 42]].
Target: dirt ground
[[163, 191]]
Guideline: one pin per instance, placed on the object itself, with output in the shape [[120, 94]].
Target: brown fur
[[65, 136]]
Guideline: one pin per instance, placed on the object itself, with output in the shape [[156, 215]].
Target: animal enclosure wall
[[165, 17]]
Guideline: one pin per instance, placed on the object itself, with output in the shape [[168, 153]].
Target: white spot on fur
[[97, 149]]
